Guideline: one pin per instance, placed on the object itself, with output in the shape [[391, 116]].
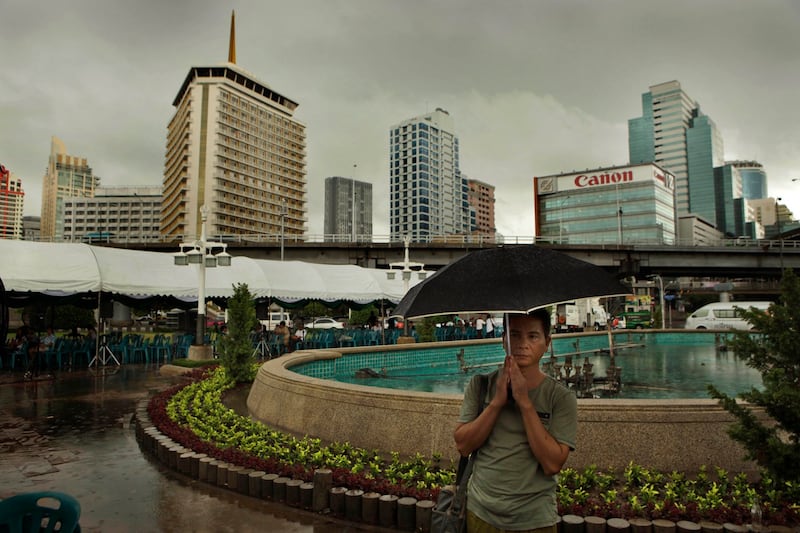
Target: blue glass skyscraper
[[704, 153], [673, 133], [754, 179]]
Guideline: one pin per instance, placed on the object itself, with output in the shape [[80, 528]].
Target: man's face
[[529, 341]]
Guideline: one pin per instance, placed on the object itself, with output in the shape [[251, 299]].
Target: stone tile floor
[[72, 432]]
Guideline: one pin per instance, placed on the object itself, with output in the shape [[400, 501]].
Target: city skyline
[[534, 88]]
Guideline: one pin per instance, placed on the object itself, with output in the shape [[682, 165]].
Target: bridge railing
[[456, 240]]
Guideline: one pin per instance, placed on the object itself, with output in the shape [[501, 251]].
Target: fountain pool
[[301, 393], [654, 365]]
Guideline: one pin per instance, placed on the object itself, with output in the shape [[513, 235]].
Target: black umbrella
[[509, 279]]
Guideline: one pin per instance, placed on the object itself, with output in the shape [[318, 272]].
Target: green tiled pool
[[655, 365]]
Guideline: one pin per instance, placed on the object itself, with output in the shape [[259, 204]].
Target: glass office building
[[348, 210], [704, 154], [659, 135], [629, 204], [754, 179], [731, 209]]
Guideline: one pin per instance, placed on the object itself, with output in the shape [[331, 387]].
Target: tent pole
[[383, 329], [100, 328]]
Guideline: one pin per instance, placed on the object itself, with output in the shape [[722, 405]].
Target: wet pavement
[[74, 433]]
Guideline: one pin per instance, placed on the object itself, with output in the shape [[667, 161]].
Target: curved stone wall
[[662, 434]]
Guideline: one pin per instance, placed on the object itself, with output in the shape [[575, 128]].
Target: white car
[[325, 323]]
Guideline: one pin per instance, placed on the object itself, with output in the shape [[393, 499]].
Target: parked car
[[325, 323]]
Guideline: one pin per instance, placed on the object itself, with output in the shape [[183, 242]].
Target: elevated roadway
[[764, 259]]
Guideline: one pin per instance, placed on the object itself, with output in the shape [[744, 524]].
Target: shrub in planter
[[195, 416]]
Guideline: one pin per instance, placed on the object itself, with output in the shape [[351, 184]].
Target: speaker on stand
[[104, 354]]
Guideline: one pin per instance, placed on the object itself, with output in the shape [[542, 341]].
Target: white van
[[275, 318], [723, 315]]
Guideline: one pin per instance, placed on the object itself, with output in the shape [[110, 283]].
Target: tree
[[774, 353], [315, 309], [360, 317], [235, 346]]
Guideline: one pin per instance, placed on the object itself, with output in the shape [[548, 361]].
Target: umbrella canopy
[[510, 279]]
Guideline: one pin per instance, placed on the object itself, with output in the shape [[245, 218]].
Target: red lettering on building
[[583, 180]]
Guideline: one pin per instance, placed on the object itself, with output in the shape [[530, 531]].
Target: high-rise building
[[481, 200], [114, 214], [661, 136], [12, 200], [67, 176], [754, 179], [607, 206], [730, 209], [31, 228], [348, 209], [704, 154], [428, 196], [234, 146], [773, 215]]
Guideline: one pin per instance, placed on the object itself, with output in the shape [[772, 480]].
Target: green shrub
[[774, 353], [235, 346]]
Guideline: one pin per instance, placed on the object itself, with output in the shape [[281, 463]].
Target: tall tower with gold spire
[[233, 145]]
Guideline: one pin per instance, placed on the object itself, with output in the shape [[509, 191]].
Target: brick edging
[[370, 508]]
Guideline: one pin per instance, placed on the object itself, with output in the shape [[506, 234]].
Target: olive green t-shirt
[[507, 488]]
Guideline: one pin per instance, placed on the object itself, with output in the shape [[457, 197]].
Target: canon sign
[[582, 180]]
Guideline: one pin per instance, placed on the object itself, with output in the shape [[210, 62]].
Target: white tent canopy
[[72, 268]]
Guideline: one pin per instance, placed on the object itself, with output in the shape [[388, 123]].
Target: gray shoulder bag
[[450, 512]]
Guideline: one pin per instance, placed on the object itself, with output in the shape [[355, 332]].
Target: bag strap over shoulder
[[483, 390]]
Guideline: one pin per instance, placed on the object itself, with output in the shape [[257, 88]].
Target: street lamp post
[[406, 269], [561, 219], [660, 281], [200, 253], [780, 238], [353, 204], [283, 223], [619, 217]]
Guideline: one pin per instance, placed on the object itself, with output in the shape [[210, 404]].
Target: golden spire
[[232, 44]]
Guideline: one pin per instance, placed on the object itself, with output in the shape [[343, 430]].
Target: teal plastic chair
[[346, 338], [137, 352], [276, 345], [83, 350], [373, 338], [46, 511]]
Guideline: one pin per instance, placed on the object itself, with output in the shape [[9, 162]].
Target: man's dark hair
[[542, 314]]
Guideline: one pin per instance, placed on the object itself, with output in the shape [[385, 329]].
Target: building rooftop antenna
[[232, 42]]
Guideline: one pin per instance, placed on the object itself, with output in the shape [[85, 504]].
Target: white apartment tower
[[428, 196], [234, 146]]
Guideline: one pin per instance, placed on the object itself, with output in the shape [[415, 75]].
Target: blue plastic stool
[[34, 511]]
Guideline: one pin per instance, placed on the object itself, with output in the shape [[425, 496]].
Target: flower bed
[[193, 415]]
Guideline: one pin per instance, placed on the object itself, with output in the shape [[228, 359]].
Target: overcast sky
[[534, 87]]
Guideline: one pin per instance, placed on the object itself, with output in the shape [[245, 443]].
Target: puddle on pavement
[[73, 434]]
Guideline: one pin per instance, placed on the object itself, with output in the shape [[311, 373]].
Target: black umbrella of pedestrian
[[508, 279]]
